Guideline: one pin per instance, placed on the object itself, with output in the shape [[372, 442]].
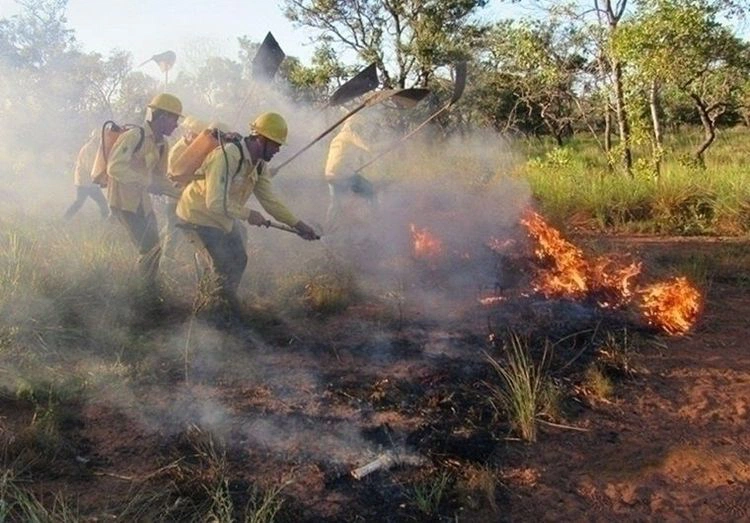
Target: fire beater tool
[[165, 61], [265, 64], [267, 60], [363, 82], [282, 227], [458, 90], [401, 97]]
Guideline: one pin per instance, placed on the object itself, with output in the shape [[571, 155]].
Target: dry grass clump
[[19, 503], [195, 487], [597, 383], [523, 391], [320, 289], [477, 487], [428, 494]]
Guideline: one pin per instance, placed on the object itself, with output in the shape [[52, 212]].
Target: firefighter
[[214, 204], [191, 127], [347, 191], [137, 166], [85, 188]]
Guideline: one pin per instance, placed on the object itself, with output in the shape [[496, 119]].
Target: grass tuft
[[523, 391], [427, 495]]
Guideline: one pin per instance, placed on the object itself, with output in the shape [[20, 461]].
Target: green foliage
[[553, 159], [314, 84], [408, 40], [576, 187]]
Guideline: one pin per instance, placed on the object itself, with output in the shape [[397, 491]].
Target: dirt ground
[[672, 443]]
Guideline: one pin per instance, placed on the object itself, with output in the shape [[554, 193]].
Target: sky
[[190, 28]]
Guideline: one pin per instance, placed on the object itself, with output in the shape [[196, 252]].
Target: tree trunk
[[555, 131], [622, 118], [653, 102], [709, 129], [607, 130]]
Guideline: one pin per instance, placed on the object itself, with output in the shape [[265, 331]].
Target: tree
[[539, 62], [313, 85], [104, 81], [679, 44], [407, 39]]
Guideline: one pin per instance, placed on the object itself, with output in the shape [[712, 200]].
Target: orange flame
[[672, 306], [424, 243], [570, 275]]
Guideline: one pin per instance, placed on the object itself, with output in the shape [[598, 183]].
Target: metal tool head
[[164, 60], [408, 98], [268, 59], [364, 81], [402, 98]]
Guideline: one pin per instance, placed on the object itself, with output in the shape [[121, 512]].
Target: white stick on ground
[[386, 461]]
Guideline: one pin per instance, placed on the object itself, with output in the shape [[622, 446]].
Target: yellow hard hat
[[272, 126], [194, 124], [167, 102]]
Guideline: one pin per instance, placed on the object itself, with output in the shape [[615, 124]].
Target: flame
[[673, 306], [424, 244], [569, 275]]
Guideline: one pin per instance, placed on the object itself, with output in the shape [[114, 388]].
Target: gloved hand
[[258, 219], [362, 186], [306, 231]]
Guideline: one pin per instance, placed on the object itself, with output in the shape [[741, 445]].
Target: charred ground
[[273, 420]]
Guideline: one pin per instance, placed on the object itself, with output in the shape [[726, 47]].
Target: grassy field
[[573, 185]]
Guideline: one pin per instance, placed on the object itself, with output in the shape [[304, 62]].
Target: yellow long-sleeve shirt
[[85, 161], [346, 153], [133, 172], [218, 196]]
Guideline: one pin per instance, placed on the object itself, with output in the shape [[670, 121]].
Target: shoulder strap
[[242, 157], [140, 140]]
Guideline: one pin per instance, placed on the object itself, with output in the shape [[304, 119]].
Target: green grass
[[428, 494], [574, 186]]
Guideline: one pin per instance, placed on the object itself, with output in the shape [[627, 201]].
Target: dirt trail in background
[[674, 445]]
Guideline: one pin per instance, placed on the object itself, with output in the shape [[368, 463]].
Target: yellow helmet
[[272, 126], [167, 102], [194, 124]]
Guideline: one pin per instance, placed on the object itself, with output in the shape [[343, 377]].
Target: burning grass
[[565, 272], [672, 306]]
